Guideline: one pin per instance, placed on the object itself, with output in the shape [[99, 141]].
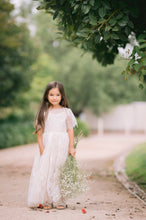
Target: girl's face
[[54, 97]]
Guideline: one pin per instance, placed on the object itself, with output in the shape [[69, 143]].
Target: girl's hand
[[41, 151], [72, 151]]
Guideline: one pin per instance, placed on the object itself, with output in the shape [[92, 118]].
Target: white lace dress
[[44, 180]]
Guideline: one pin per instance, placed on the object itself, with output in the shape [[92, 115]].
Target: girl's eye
[[53, 95]]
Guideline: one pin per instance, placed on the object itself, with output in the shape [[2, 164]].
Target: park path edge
[[120, 173]]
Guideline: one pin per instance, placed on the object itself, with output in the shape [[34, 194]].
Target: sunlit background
[[33, 54], [110, 109]]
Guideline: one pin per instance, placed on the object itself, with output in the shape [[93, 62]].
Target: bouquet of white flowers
[[72, 179]]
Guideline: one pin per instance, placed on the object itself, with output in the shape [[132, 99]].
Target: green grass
[[136, 165]]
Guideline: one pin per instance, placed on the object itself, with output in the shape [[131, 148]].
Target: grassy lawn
[[136, 165]]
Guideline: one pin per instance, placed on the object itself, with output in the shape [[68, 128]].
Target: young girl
[[54, 128]]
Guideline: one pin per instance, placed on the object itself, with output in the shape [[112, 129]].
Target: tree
[[87, 83], [47, 38], [17, 54], [101, 27], [90, 85], [45, 68]]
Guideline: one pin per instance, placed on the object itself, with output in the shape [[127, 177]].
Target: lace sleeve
[[71, 121]]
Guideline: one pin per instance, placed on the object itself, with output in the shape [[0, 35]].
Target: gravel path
[[106, 198]]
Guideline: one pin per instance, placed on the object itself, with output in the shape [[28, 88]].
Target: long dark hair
[[39, 122]]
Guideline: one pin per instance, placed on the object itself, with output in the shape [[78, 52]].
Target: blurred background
[[32, 55]]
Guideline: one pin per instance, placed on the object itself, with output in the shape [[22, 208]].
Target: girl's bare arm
[[71, 142], [40, 140]]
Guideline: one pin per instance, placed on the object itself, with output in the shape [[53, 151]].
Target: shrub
[[18, 130], [82, 128]]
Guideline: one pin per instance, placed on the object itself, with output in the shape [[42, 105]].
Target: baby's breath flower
[[72, 179]]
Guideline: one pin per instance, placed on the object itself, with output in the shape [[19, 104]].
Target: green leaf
[[115, 36], [123, 37], [141, 40], [119, 16], [115, 28], [143, 72], [144, 61], [55, 15], [141, 36], [112, 21], [101, 20], [83, 33], [142, 46], [84, 45], [102, 12], [93, 19], [97, 39], [127, 31], [92, 2], [106, 36], [137, 66], [133, 52], [122, 22], [106, 4], [85, 8], [140, 86], [131, 62], [75, 9], [107, 28], [137, 49], [85, 19], [130, 24], [85, 30]]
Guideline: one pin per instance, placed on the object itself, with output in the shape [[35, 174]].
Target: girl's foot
[[47, 207], [61, 207]]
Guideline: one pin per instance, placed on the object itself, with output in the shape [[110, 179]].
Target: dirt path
[[106, 199]]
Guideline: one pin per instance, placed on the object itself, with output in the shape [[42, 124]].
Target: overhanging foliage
[[101, 26]]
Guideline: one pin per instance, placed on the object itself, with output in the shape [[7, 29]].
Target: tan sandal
[[47, 207], [61, 207]]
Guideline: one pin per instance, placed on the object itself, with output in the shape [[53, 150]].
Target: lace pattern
[[44, 186]]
